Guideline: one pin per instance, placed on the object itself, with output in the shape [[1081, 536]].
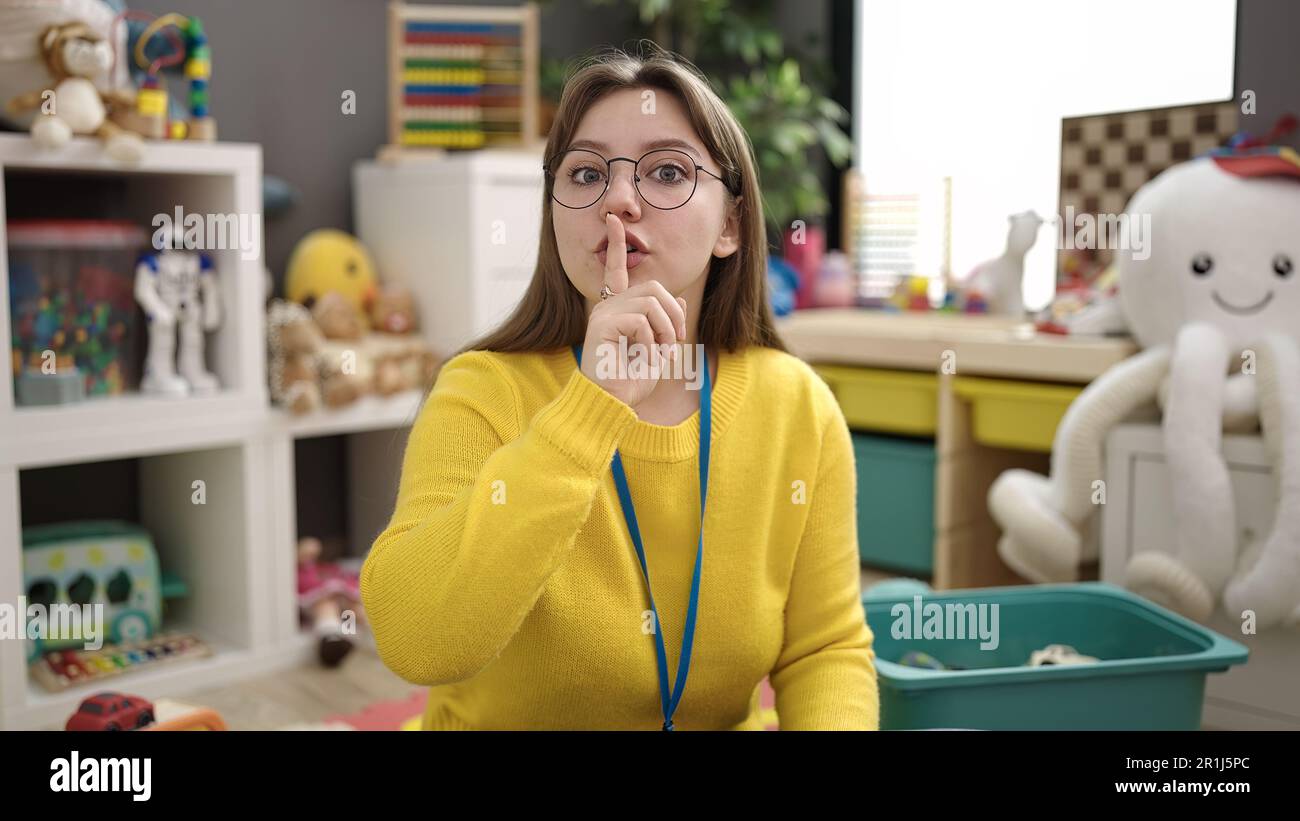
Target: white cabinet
[[1263, 693], [459, 229]]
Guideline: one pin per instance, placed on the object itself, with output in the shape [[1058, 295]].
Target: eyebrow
[[667, 142]]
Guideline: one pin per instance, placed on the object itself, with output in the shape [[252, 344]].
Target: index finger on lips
[[615, 254]]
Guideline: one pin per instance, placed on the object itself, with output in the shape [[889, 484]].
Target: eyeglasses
[[665, 178]]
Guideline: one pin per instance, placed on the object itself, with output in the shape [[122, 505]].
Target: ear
[[50, 38], [729, 240]]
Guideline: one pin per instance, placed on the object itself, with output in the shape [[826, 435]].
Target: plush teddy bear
[[347, 372], [74, 55], [1215, 304], [393, 311], [295, 343], [401, 358]]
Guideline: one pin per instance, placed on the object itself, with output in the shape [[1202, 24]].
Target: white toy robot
[[177, 288]]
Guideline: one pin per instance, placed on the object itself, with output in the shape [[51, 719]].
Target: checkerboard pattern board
[[1106, 158]]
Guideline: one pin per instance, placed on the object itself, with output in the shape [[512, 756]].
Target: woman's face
[[676, 245]]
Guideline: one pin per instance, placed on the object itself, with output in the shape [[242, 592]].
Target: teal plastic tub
[[1150, 674], [895, 502]]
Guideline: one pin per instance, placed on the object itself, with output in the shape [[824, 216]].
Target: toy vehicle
[[111, 711], [96, 562]]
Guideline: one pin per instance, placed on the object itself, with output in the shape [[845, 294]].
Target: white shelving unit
[[236, 550]]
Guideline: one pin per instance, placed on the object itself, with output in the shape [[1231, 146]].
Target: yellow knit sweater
[[507, 581]]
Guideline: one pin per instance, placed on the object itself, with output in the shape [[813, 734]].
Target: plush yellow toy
[[328, 260]]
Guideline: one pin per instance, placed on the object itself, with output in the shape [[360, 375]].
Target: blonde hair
[[735, 311]]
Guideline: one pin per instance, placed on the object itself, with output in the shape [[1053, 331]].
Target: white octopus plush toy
[[1217, 294]]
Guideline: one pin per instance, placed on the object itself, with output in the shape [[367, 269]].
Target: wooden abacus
[[461, 77]]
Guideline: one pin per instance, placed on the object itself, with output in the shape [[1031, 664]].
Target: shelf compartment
[[350, 482], [216, 182], [208, 541]]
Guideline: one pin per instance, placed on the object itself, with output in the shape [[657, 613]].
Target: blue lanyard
[[670, 699]]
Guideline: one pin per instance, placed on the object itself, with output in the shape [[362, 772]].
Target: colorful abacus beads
[[461, 84]]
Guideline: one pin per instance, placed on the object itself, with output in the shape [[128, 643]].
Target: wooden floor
[[309, 694], [306, 694]]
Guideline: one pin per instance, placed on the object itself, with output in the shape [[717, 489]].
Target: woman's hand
[[647, 315]]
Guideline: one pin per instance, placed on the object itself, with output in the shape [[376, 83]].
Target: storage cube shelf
[[79, 182], [210, 546], [937, 375], [236, 552]]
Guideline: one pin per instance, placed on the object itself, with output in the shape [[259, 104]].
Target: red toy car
[[111, 711]]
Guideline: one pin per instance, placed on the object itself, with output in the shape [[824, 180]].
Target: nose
[[621, 196]]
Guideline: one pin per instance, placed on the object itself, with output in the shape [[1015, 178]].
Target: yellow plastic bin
[[885, 401], [1016, 415]]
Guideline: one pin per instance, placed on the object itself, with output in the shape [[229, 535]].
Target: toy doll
[[326, 592]]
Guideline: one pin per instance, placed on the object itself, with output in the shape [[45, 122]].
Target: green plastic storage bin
[[895, 502], [1151, 673]]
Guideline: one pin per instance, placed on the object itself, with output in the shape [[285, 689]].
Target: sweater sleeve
[[483, 516], [825, 676]]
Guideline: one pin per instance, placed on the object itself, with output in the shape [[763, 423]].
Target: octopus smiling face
[[1223, 250]]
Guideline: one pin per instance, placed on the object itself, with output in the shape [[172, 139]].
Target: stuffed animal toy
[[22, 62], [393, 311], [347, 372], [1215, 306], [337, 318], [327, 593], [402, 360], [74, 55], [329, 260], [295, 344]]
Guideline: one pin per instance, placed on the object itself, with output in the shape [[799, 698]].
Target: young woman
[[548, 565]]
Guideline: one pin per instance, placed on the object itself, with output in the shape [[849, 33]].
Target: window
[[974, 92], [119, 587], [82, 589], [43, 592]]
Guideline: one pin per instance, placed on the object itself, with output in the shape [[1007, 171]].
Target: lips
[[630, 237], [634, 258]]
